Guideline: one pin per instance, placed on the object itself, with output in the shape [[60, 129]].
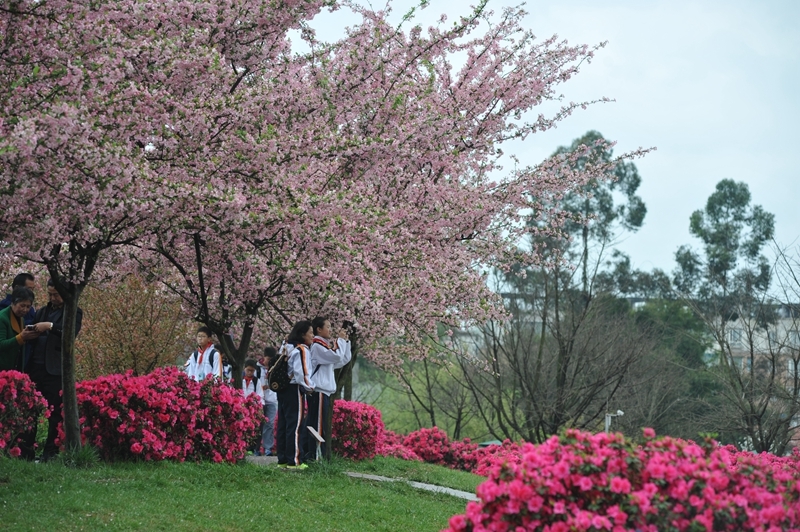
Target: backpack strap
[[304, 354]]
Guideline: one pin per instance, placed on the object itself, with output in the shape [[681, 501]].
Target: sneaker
[[282, 466], [301, 467]]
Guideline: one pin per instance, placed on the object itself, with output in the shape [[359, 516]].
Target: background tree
[[131, 325], [671, 389], [534, 387], [565, 352], [729, 287]]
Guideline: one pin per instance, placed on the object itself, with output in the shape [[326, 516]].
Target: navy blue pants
[[291, 425], [319, 405], [50, 387]]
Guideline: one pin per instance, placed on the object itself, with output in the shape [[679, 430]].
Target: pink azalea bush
[[582, 481], [431, 444], [20, 408], [166, 416], [393, 446], [489, 458], [357, 429]]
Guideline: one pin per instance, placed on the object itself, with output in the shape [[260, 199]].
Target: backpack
[[278, 373], [212, 354]]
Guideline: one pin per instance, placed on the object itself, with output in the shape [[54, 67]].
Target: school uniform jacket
[[209, 362], [327, 356], [252, 387], [299, 365]]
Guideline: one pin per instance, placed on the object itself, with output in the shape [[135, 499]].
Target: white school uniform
[[327, 356], [299, 366], [209, 362], [253, 387]]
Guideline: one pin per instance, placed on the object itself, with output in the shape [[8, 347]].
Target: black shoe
[[46, 457]]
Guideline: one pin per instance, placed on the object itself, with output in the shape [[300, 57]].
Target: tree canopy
[[361, 178]]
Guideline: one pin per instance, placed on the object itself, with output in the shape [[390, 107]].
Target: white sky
[[714, 85]]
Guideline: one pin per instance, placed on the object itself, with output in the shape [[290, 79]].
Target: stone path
[[266, 460], [420, 485], [261, 460]]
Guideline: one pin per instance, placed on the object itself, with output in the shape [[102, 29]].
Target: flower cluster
[[431, 444], [582, 481], [487, 459], [166, 416], [393, 446], [20, 408], [357, 429]]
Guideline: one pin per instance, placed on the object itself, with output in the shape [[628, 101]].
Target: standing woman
[[13, 334], [291, 400], [327, 354]]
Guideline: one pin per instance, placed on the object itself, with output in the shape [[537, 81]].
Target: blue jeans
[[268, 429]]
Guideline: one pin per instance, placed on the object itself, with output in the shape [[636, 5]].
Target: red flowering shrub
[[463, 455], [393, 446], [357, 430], [166, 416], [20, 408], [430, 444], [583, 481], [487, 459]]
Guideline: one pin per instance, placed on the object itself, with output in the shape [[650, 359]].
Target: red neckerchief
[[248, 380], [321, 342], [203, 352]]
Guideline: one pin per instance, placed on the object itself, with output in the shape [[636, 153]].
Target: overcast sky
[[713, 85]]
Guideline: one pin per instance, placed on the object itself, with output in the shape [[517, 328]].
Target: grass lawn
[[212, 497]]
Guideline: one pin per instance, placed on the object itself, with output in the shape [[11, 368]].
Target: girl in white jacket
[[291, 400], [327, 354]]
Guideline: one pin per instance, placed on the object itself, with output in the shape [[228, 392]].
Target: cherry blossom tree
[[361, 179], [88, 92], [374, 190]]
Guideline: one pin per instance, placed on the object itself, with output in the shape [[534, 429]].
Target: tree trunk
[[236, 355], [72, 426]]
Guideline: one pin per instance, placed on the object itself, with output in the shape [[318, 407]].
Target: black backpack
[[212, 354], [278, 373]]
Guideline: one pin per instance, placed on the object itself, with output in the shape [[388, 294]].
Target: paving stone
[[419, 485]]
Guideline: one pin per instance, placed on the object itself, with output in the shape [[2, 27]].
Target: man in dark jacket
[[44, 368]]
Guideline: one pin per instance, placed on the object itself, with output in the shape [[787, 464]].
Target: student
[[326, 356], [270, 400], [251, 384], [291, 426], [205, 360]]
